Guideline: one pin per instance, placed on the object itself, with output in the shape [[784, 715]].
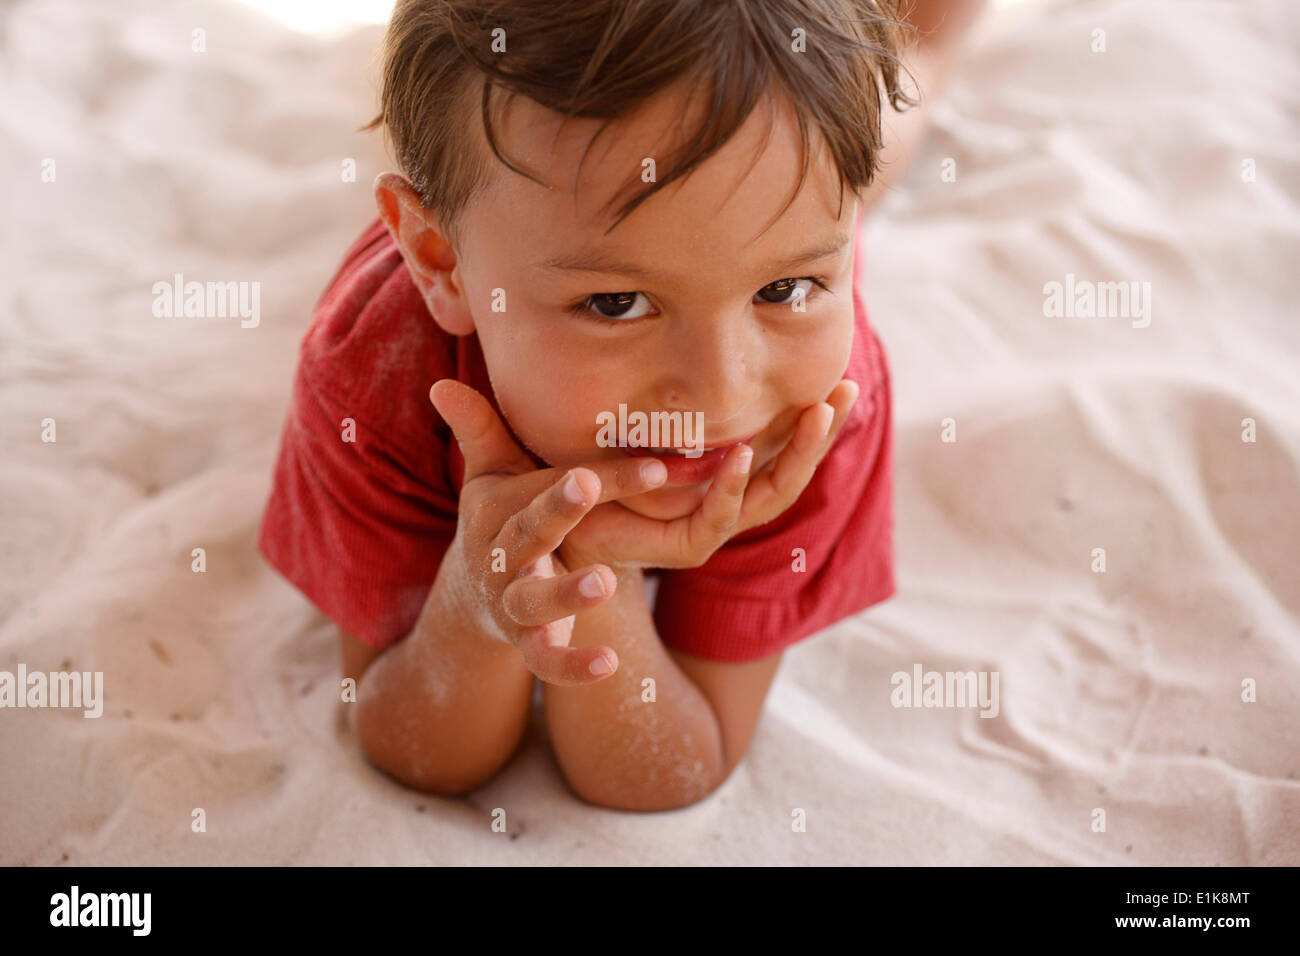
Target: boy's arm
[[417, 719], [660, 733], [627, 744]]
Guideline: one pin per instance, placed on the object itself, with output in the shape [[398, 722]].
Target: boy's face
[[691, 309]]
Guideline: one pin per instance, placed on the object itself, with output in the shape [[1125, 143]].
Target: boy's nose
[[714, 373]]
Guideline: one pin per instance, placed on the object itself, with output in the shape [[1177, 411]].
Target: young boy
[[606, 213]]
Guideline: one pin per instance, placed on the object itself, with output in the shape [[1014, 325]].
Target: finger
[[795, 462], [771, 492], [532, 601], [565, 666], [617, 478], [538, 528], [542, 515], [631, 476], [484, 440], [715, 518], [842, 398]]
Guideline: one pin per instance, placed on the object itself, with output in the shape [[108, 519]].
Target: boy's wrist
[[453, 602]]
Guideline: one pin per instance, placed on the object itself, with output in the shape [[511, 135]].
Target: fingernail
[[572, 490], [829, 421], [600, 667], [592, 585], [744, 460], [653, 472]]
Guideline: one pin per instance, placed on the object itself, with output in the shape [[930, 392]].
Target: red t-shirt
[[360, 526]]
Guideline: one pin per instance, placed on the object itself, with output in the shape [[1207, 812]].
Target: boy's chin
[[667, 504]]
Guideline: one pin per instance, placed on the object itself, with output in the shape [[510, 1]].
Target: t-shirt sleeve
[[360, 526], [827, 556]]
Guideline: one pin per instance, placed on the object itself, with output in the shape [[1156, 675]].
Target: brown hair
[[602, 58]]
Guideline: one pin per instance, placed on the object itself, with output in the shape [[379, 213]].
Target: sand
[[1119, 691]]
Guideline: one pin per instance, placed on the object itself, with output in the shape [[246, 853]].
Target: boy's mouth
[[683, 470]]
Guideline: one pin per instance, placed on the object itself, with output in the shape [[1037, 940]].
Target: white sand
[[1119, 691]]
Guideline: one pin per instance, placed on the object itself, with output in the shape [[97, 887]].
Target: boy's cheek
[[563, 444]]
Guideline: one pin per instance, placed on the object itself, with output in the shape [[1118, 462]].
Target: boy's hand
[[512, 518], [735, 502]]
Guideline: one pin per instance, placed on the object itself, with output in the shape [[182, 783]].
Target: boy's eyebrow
[[596, 261]]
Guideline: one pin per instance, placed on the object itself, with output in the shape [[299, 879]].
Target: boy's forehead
[[732, 201]]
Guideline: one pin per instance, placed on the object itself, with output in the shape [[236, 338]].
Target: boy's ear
[[429, 258]]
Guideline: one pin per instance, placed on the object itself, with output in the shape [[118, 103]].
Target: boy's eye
[[618, 306], [614, 305], [785, 291]]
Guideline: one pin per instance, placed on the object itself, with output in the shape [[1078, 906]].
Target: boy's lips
[[688, 471]]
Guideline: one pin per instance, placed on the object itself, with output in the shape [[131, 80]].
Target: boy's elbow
[[652, 788], [416, 762], [416, 774]]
